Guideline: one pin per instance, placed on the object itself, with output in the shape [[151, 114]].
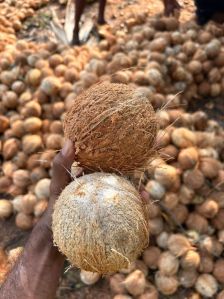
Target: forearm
[[37, 272]]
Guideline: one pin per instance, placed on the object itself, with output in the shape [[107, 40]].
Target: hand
[[61, 176]]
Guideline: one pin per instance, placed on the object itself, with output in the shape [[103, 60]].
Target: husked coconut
[[100, 223]]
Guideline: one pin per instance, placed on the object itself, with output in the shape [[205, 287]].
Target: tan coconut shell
[[31, 143], [113, 127], [183, 137], [135, 283], [210, 167], [89, 278], [4, 123], [187, 279], [6, 208], [10, 148], [178, 244], [168, 263], [167, 285], [111, 212], [206, 285], [50, 85], [166, 175], [21, 178], [24, 221], [188, 157], [116, 283], [197, 222], [151, 257], [193, 179], [218, 271]]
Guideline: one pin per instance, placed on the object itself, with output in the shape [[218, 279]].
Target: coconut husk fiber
[[113, 128], [100, 223]]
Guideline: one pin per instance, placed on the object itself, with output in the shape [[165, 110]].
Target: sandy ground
[[38, 27]]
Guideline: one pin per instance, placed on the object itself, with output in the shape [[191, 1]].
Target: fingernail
[[67, 148]]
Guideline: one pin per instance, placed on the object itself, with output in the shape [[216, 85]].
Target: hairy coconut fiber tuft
[[100, 223], [113, 127]]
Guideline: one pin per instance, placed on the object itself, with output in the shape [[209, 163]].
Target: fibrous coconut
[[100, 223], [113, 127]]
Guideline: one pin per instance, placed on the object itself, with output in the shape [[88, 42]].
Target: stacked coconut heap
[[32, 90], [38, 84], [12, 14]]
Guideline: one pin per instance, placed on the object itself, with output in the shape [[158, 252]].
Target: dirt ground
[[38, 29]]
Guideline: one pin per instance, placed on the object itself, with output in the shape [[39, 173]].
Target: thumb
[[61, 169]]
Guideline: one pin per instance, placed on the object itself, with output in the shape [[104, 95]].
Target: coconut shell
[[100, 223], [210, 167], [113, 127]]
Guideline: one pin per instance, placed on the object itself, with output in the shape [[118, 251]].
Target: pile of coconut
[[166, 65], [12, 14], [34, 85]]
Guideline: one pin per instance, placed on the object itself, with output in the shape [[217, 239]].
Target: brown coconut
[[113, 127], [100, 223]]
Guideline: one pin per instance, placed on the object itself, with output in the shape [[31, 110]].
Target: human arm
[[36, 274]]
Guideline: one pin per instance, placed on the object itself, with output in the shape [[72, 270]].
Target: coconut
[[31, 143], [18, 128], [89, 278], [24, 221], [159, 44], [6, 208], [178, 244], [8, 168], [197, 222], [168, 264], [135, 283], [10, 148], [42, 189], [21, 178], [40, 208], [195, 67], [10, 99], [187, 279], [34, 77], [166, 175], [210, 167], [4, 123], [120, 77], [151, 257], [113, 127], [206, 285], [167, 285], [154, 77], [183, 137], [212, 49], [32, 124], [112, 213], [50, 85], [188, 157], [54, 141], [193, 179]]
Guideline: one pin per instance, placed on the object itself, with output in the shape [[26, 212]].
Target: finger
[[61, 168]]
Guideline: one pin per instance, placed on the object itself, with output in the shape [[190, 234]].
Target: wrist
[[43, 227]]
